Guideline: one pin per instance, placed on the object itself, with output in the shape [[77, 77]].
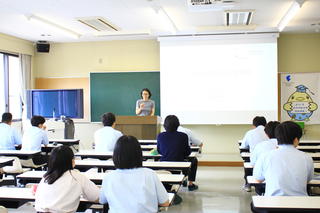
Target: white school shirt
[[132, 190], [8, 137], [33, 138], [286, 171], [192, 139], [105, 139], [263, 147], [253, 137], [64, 194]]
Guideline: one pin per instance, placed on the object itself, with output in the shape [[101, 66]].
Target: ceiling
[[139, 16]]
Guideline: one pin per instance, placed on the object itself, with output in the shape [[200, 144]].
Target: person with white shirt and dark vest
[[34, 137], [61, 187], [251, 139], [106, 137], [285, 170], [132, 188]]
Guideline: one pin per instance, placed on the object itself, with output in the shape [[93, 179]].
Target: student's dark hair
[[270, 128], [171, 123], [60, 161], [287, 131], [127, 153], [6, 117], [108, 119], [147, 90], [259, 120], [36, 120]]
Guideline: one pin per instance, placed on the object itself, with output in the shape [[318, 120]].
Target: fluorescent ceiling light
[[123, 33], [166, 19], [293, 10], [54, 26]]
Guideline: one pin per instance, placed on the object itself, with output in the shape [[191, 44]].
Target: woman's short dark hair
[[6, 117], [36, 120], [60, 161], [259, 120], [270, 128], [287, 131], [171, 123], [127, 153], [147, 90], [108, 119]]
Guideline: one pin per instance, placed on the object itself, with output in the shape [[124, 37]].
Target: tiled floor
[[219, 192]]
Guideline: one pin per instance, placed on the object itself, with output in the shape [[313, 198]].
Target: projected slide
[[219, 81]]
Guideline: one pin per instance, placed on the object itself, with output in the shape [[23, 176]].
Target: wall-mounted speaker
[[43, 47]]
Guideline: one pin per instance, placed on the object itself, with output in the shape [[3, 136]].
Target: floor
[[219, 192]]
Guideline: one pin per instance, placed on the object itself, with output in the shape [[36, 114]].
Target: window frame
[[6, 81]]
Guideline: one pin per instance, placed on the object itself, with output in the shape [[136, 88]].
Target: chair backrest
[[3, 209]]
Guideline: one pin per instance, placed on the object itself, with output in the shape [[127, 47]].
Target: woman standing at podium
[[145, 106]]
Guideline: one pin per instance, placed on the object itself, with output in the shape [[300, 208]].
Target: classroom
[[152, 36]]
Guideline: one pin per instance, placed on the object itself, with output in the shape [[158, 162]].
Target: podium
[[142, 127]]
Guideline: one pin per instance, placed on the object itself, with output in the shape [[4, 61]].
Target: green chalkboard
[[117, 92]]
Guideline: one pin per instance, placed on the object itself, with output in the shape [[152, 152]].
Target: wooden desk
[[22, 195], [309, 142], [154, 146], [5, 162], [248, 166], [253, 182], [108, 155], [309, 148], [246, 156], [88, 164], [147, 142], [68, 142], [19, 153], [35, 177], [287, 203]]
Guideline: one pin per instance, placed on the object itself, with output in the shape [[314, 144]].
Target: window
[[10, 76]]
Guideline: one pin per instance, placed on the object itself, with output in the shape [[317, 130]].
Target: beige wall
[[15, 45], [297, 53], [79, 59]]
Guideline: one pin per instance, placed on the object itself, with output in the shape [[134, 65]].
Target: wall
[[297, 53]]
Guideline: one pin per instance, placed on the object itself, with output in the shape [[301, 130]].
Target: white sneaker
[[246, 187]]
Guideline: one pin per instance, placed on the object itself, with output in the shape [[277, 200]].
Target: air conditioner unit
[[209, 5]]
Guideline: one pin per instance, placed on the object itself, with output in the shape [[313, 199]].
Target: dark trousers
[[193, 169], [247, 172], [40, 159]]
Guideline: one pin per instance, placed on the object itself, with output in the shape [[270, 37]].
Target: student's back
[[133, 190], [173, 146], [106, 138], [8, 137], [64, 194], [33, 138], [261, 148], [286, 171]]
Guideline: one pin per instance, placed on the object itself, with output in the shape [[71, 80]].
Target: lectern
[[142, 127]]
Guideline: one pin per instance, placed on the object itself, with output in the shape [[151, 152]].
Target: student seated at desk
[[174, 146], [255, 135], [131, 188], [251, 139], [61, 186], [106, 137], [265, 146], [193, 141], [9, 138], [34, 137], [285, 170]]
